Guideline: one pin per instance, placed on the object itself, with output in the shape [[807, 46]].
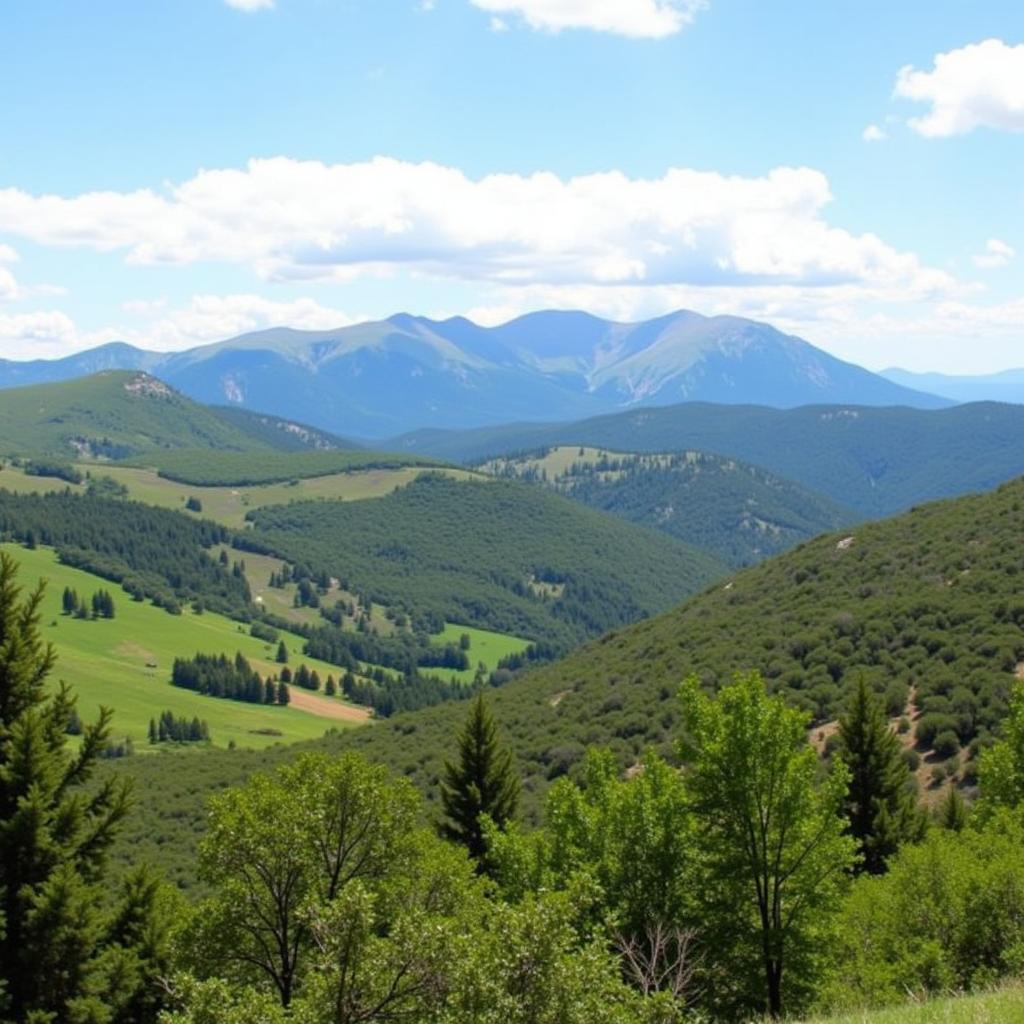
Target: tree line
[[217, 675]]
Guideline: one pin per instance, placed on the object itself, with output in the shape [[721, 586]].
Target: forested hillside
[[736, 512], [152, 552], [875, 461], [928, 602], [116, 414], [501, 555]]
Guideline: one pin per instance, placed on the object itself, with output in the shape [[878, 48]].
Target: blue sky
[[178, 171]]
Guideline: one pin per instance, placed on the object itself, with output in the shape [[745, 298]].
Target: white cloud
[[251, 5], [996, 254], [209, 318], [304, 220], [637, 19], [204, 319], [873, 134], [9, 290], [498, 25], [43, 335], [8, 255], [981, 85]]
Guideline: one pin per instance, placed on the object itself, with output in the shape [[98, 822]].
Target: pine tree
[[330, 687], [952, 813], [55, 938], [69, 601], [282, 654], [269, 691], [482, 782], [152, 731], [283, 694], [880, 805]]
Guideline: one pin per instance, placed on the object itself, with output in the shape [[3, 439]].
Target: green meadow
[[484, 646], [1005, 1006], [225, 504], [125, 663]]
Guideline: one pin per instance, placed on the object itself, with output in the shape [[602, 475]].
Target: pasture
[[125, 663]]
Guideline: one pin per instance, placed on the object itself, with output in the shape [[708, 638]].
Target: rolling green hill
[[111, 415], [927, 605], [500, 555], [125, 664], [735, 511], [117, 414], [211, 468], [876, 461]]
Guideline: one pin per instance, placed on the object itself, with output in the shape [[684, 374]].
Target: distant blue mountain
[[1007, 386], [386, 377]]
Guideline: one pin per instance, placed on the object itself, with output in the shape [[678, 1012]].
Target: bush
[[948, 916], [946, 745]]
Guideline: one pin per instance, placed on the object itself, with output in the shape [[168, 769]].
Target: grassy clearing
[[484, 646], [19, 482], [229, 505], [1003, 1007], [111, 662]]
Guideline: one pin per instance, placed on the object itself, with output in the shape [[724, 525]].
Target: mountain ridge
[[385, 377]]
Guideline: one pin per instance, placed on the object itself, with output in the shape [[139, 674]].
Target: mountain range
[[387, 377], [1006, 386]]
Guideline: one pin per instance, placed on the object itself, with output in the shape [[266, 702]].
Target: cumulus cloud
[[208, 318], [873, 134], [304, 220], [250, 5], [981, 85], [151, 324], [996, 254], [42, 335], [637, 19]]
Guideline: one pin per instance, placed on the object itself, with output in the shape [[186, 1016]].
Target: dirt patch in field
[[130, 650], [324, 707]]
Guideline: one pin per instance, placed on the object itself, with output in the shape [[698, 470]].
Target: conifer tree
[[880, 804], [282, 654], [56, 948], [952, 814], [283, 693], [482, 782]]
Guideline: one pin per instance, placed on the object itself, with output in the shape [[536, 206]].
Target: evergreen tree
[[282, 654], [952, 814], [269, 692], [483, 782], [69, 601], [153, 738], [330, 687], [59, 960], [283, 694], [880, 804]]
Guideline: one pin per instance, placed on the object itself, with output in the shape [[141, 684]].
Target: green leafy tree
[[880, 804], [328, 897], [776, 853], [1001, 771], [62, 956], [482, 782]]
